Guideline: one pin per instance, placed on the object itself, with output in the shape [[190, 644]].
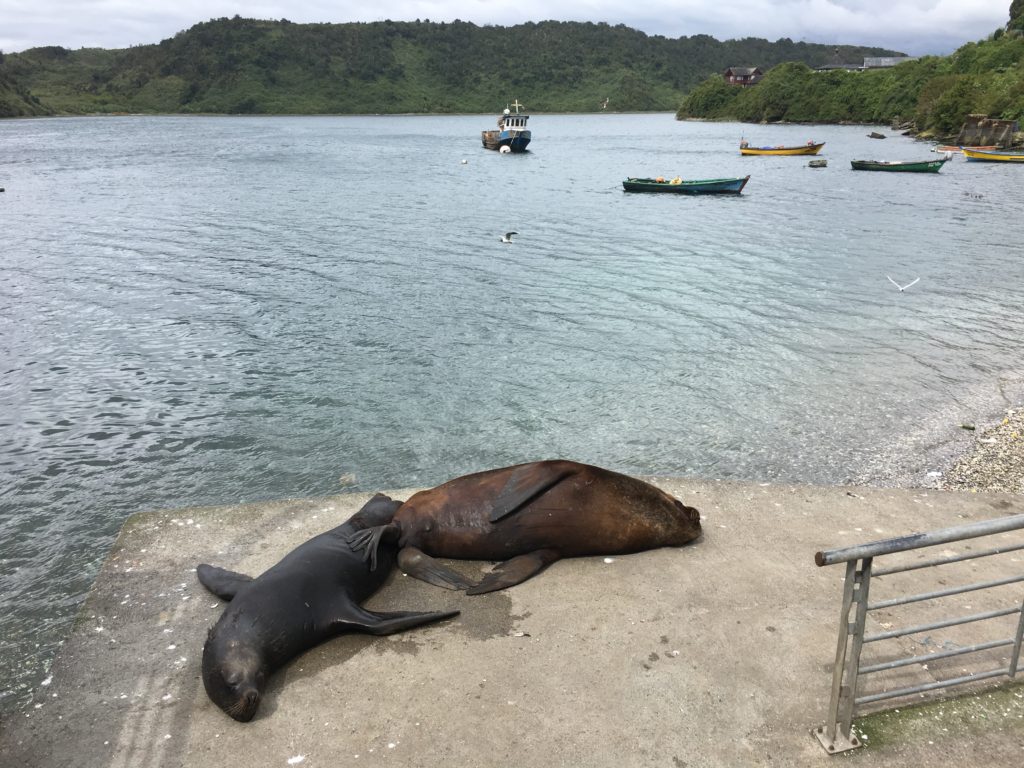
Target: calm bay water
[[212, 310]]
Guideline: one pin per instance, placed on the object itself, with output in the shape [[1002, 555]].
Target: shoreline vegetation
[[275, 67], [930, 97], [251, 66], [995, 460]]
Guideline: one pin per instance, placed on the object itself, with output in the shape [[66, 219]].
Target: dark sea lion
[[311, 595], [529, 516]]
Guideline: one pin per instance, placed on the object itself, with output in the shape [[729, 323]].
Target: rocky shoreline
[[996, 460]]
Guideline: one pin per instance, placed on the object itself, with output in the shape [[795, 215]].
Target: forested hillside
[[249, 66], [933, 93], [15, 100]]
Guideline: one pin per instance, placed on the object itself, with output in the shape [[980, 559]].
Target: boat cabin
[[509, 119]]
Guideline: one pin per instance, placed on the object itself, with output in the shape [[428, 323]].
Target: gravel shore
[[996, 460]]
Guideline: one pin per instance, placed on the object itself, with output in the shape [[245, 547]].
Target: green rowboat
[[907, 166], [687, 187]]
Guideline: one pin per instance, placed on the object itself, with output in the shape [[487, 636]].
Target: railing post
[[837, 734], [1015, 656]]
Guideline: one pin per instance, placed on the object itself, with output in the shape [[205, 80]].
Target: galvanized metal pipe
[[946, 560], [924, 658], [1015, 658], [849, 697], [931, 686], [918, 540], [940, 624], [837, 734], [840, 663], [944, 592]]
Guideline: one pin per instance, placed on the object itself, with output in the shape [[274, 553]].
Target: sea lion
[[529, 516], [311, 595]]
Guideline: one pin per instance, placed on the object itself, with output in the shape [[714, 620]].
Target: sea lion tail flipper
[[422, 566], [388, 622], [515, 571], [220, 581], [525, 484]]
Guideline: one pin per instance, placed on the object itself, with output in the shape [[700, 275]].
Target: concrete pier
[[715, 654]]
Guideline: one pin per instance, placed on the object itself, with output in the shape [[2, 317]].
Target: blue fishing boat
[[512, 134]]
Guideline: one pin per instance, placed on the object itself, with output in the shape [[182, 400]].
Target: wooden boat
[[994, 156], [956, 148], [820, 162], [810, 148], [680, 186], [512, 134], [907, 166]]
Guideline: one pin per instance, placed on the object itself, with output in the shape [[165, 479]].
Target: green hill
[[934, 94], [249, 66], [15, 99]]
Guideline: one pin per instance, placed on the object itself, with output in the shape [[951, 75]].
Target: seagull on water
[[903, 287], [507, 237]]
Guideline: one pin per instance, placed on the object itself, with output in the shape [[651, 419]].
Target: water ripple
[[210, 310]]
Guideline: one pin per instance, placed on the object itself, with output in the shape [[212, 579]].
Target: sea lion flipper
[[387, 622], [419, 565], [525, 484], [515, 571], [369, 539], [220, 581]]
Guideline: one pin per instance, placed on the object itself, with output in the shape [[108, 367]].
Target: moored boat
[[512, 134], [908, 166], [810, 148], [958, 148], [994, 156], [680, 186]]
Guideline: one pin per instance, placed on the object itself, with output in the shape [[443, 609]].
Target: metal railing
[[837, 733]]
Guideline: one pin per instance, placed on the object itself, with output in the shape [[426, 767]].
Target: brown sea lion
[[311, 595], [529, 516]]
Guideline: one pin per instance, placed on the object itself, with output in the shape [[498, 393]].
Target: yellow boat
[[997, 156], [810, 148]]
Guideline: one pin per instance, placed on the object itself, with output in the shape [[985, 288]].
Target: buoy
[[505, 149]]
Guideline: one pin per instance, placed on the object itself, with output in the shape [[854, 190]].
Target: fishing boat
[[958, 148], [993, 156], [680, 186], [512, 134], [810, 148], [907, 166]]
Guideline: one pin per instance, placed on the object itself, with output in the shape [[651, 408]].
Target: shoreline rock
[[996, 460]]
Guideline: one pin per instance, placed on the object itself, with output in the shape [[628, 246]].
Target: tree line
[[932, 95], [277, 67]]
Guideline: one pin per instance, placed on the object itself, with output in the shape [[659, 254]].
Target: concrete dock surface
[[715, 654]]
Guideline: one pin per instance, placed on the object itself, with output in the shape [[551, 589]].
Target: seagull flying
[[507, 237], [903, 287]]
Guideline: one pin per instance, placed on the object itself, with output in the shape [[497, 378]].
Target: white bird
[[903, 287], [507, 237]]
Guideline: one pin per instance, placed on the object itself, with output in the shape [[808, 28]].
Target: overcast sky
[[913, 26]]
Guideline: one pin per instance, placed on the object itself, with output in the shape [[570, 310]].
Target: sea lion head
[[379, 510], [234, 673], [691, 516]]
